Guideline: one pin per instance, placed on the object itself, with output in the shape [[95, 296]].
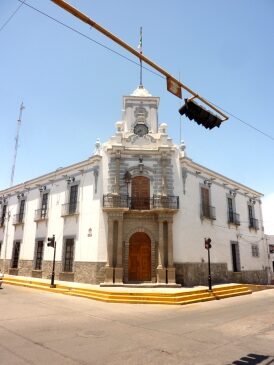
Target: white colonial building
[[137, 211]]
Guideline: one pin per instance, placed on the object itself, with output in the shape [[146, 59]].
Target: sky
[[72, 87]]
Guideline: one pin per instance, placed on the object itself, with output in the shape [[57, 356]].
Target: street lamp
[[52, 243], [208, 247]]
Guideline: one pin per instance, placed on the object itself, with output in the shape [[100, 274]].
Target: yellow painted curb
[[180, 297]]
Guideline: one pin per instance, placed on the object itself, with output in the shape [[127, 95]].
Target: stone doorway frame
[[153, 254]]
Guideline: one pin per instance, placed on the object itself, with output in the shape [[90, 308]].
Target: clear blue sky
[[73, 88]]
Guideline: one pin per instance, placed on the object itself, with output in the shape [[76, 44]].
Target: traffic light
[[51, 241], [200, 115], [207, 243]]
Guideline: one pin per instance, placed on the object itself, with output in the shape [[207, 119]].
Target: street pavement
[[39, 327]]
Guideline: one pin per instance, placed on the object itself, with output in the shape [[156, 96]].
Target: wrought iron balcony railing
[[18, 218], [233, 218], [208, 211], [253, 223], [70, 209], [40, 214], [125, 201]]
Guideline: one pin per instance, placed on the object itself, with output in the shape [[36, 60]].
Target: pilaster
[[161, 270]]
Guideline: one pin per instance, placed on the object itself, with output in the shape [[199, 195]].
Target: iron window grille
[[70, 209], [18, 218], [233, 218], [208, 211], [41, 214], [255, 250], [253, 223], [15, 256], [69, 255], [3, 216], [39, 255]]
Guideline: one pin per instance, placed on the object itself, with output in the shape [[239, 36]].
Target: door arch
[[139, 259], [140, 192]]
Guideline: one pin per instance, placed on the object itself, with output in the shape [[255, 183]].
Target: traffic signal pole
[[64, 5], [208, 247], [52, 243], [209, 270]]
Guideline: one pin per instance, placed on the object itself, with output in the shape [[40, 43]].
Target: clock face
[[140, 130]]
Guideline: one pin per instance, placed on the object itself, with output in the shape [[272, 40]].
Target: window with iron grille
[[39, 255], [230, 209], [205, 202], [21, 211], [255, 250], [235, 253], [68, 255], [3, 215], [73, 199], [15, 255], [44, 205]]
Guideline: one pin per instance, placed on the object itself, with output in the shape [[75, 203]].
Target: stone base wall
[[187, 274], [196, 273], [47, 269], [66, 276], [7, 266], [249, 277], [25, 267], [84, 272], [37, 273], [89, 272], [192, 274]]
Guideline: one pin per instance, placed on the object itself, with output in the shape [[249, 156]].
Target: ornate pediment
[[136, 140]]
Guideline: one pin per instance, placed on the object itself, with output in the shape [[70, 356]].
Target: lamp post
[[208, 247], [52, 243]]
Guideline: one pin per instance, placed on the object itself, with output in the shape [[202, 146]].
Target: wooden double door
[[139, 264]]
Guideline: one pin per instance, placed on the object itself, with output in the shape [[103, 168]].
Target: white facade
[[182, 203]]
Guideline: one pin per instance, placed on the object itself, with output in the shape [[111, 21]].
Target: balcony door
[[139, 264], [140, 193]]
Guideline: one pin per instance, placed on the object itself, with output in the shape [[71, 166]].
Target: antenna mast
[[16, 142]]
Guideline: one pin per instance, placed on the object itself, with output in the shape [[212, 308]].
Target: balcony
[[40, 215], [253, 223], [233, 218], [208, 212], [125, 201], [18, 219], [70, 209]]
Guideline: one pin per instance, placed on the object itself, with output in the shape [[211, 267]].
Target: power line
[[242, 121], [12, 15], [136, 63]]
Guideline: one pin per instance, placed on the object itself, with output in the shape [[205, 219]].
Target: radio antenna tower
[[19, 121]]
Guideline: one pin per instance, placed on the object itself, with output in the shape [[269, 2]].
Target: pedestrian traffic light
[[200, 115], [51, 241], [207, 243]]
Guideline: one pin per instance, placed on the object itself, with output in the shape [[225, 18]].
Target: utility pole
[[19, 121], [8, 213]]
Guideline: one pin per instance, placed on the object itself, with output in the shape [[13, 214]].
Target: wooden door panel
[[140, 192], [139, 264]]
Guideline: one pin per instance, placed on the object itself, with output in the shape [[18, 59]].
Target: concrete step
[[180, 297]]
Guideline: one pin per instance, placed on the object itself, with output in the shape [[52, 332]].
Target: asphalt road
[[43, 328]]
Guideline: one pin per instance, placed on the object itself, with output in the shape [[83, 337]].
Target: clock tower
[[140, 113]]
